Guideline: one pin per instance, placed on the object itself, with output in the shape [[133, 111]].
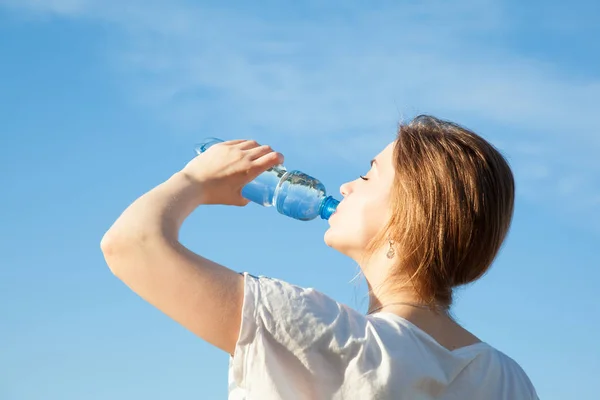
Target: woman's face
[[365, 208]]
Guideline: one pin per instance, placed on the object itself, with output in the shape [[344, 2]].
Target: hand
[[225, 168]]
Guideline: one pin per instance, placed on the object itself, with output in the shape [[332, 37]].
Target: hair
[[451, 208]]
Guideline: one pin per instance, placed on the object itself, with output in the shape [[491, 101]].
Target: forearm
[[158, 213], [142, 250], [142, 247]]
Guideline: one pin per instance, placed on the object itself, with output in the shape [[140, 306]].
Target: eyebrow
[[373, 161]]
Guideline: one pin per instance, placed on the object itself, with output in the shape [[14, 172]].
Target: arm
[[142, 247]]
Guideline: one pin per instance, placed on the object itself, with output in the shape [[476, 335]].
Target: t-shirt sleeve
[[296, 330]]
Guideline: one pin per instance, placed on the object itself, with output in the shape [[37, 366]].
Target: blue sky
[[102, 100]]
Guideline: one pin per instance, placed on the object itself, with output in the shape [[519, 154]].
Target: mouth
[[337, 210], [333, 215]]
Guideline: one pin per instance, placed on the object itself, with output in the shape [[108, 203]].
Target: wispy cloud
[[57, 7], [336, 74]]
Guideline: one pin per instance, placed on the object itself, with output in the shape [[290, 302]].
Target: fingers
[[241, 202], [235, 142], [268, 160], [262, 157], [257, 152], [246, 144]]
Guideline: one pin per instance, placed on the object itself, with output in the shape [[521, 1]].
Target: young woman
[[430, 215]]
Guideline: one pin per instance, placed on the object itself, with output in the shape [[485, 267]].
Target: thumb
[[242, 202]]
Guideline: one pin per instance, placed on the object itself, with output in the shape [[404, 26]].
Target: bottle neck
[[328, 206]]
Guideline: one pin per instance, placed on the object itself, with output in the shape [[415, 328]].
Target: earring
[[391, 252]]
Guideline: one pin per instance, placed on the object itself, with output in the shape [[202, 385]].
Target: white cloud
[[351, 72], [347, 73]]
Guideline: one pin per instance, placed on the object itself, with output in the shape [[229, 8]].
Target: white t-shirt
[[298, 343]]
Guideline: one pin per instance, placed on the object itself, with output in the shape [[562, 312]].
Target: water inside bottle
[[299, 196], [262, 189]]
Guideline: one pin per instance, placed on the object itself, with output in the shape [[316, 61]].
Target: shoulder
[[506, 369], [272, 297], [297, 328]]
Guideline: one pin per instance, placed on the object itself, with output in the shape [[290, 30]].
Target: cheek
[[357, 223]]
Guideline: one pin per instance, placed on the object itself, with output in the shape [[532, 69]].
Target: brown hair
[[452, 206]]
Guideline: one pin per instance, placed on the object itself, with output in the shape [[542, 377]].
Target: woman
[[430, 215]]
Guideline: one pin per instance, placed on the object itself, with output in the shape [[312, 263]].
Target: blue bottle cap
[[328, 207]]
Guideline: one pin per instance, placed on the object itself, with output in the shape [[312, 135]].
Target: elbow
[[112, 247], [106, 243], [126, 251]]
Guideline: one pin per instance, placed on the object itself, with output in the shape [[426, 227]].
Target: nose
[[345, 189]]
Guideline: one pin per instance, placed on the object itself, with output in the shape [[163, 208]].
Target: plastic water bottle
[[293, 193]]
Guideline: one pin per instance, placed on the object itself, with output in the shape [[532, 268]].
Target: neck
[[382, 290], [381, 296]]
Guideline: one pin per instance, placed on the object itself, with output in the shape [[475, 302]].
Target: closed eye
[[364, 178]]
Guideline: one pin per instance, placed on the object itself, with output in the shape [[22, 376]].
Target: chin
[[328, 238], [349, 249], [336, 241], [333, 239]]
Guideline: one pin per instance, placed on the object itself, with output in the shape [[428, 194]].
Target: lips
[[334, 213], [337, 209]]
